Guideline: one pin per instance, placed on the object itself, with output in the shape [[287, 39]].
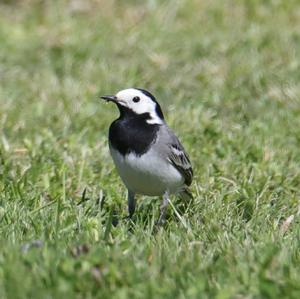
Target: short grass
[[227, 76]]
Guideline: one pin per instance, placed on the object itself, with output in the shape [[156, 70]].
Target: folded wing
[[179, 158]]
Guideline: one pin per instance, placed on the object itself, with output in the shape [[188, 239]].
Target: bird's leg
[[131, 203], [163, 208]]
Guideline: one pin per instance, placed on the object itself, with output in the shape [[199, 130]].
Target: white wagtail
[[148, 156]]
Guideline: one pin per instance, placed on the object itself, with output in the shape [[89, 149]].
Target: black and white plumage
[[148, 156]]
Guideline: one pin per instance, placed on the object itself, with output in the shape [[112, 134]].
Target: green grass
[[227, 76]]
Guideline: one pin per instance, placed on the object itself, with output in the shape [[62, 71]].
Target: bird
[[148, 156]]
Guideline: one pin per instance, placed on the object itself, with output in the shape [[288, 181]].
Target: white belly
[[148, 174]]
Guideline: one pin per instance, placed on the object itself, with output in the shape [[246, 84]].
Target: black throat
[[131, 133]]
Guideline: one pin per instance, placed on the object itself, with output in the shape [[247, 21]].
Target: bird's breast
[[132, 135], [149, 174]]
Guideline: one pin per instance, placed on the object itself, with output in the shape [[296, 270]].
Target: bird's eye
[[136, 99]]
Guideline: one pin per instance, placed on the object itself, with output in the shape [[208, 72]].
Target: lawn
[[227, 75]]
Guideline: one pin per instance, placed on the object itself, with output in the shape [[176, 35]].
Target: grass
[[227, 76]]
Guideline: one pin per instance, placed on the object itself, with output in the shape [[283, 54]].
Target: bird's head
[[137, 102]]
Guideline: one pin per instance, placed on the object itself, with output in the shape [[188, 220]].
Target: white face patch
[[140, 103]]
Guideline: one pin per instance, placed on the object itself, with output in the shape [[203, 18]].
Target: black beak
[[109, 98]]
